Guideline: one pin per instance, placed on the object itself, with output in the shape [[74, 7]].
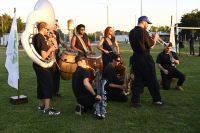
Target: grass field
[[180, 114]]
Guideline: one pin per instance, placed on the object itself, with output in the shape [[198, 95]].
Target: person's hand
[[156, 36], [81, 52], [123, 87], [93, 53], [106, 51], [132, 77], [165, 71], [53, 48], [98, 97], [69, 49]]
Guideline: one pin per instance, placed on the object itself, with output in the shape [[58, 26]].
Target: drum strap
[[110, 44], [82, 42]]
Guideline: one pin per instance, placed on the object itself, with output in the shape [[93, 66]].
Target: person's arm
[[156, 36], [162, 69], [46, 54], [117, 86], [90, 46], [73, 45], [100, 48], [117, 46], [89, 88], [176, 61], [65, 45]]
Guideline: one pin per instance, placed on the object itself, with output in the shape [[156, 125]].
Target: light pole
[[135, 17], [141, 7], [75, 23], [107, 14]]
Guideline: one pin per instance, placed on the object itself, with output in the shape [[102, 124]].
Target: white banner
[[172, 37], [12, 56]]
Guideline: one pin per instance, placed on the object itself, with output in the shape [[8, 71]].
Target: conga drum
[[121, 69], [67, 64], [94, 61]]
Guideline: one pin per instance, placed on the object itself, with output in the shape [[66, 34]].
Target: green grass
[[180, 114]]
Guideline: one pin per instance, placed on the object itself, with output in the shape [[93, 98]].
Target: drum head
[[75, 53], [93, 56]]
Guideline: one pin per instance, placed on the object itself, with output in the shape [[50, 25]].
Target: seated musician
[[82, 86], [108, 42], [168, 70], [44, 75], [115, 87], [80, 41]]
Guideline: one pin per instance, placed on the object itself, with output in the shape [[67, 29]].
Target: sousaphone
[[43, 12]]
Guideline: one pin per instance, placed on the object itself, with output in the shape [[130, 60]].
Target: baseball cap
[[80, 57], [144, 18]]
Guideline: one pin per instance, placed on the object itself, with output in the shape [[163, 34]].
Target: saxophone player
[[82, 86], [168, 71], [115, 87]]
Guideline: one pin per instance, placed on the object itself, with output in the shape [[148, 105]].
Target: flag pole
[[18, 65]]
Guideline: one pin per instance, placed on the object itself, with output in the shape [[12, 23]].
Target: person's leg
[[180, 76], [190, 49], [56, 77], [166, 81], [47, 103], [193, 48]]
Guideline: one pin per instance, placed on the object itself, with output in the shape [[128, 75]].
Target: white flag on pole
[[172, 37], [12, 56]]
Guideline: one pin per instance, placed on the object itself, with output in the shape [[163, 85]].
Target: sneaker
[[58, 95], [135, 105], [179, 88], [41, 108], [159, 103], [79, 109], [51, 111]]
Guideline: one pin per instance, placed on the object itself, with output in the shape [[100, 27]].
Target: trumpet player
[[115, 87], [168, 71], [143, 64]]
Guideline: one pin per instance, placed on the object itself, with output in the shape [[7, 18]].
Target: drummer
[[108, 42], [80, 41]]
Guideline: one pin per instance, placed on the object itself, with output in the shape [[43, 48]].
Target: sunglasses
[[118, 60], [56, 25], [82, 29]]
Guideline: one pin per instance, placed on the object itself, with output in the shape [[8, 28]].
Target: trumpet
[[160, 41]]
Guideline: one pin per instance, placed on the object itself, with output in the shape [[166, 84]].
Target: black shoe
[[135, 105], [51, 111], [159, 103], [79, 109], [58, 95], [41, 108]]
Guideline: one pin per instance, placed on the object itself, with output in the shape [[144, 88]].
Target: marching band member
[[143, 64], [82, 86], [80, 42], [44, 75], [108, 42], [56, 74], [115, 87], [168, 71]]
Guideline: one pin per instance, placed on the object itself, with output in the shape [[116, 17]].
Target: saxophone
[[100, 85], [126, 82]]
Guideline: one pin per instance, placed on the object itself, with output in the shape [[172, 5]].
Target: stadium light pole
[[75, 24], [135, 17], [107, 14]]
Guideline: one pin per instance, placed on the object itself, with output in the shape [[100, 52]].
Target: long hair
[[106, 32]]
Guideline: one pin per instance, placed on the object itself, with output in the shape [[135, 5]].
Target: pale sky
[[94, 15]]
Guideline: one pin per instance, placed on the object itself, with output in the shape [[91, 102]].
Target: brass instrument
[[100, 85], [160, 41], [126, 82]]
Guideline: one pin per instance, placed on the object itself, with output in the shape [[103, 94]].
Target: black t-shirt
[[106, 46], [110, 73], [191, 38], [164, 60], [78, 44], [140, 40], [40, 44], [77, 82]]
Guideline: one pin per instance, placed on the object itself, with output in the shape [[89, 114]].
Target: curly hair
[[79, 26], [106, 31]]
